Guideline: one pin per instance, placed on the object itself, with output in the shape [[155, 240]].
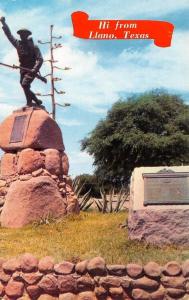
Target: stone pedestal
[[30, 128], [34, 181], [159, 211]]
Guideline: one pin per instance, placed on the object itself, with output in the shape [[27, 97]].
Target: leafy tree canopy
[[147, 130]]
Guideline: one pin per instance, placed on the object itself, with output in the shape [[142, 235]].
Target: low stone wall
[[27, 278]]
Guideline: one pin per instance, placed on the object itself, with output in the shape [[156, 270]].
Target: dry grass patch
[[85, 236]]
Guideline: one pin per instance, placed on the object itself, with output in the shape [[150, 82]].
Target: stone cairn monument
[[34, 181]]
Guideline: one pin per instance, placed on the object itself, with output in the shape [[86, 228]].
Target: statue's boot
[[29, 103], [38, 102], [33, 97]]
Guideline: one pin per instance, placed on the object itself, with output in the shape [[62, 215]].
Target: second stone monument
[[159, 205]]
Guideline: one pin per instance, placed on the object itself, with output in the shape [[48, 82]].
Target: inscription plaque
[[166, 187], [18, 129]]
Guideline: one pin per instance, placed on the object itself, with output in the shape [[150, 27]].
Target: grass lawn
[[85, 236]]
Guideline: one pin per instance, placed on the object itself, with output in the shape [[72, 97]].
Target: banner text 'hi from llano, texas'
[[159, 31]]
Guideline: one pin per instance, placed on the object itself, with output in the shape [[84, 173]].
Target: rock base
[[34, 185], [31, 200], [160, 226]]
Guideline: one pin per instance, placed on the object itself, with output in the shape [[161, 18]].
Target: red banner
[[159, 31]]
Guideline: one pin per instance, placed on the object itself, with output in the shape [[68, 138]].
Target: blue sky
[[102, 71]]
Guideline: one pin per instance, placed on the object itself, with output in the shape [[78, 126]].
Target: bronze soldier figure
[[29, 56]]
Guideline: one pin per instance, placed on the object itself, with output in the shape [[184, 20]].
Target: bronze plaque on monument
[[18, 129], [166, 187]]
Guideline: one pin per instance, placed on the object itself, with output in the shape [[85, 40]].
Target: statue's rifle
[[38, 76]]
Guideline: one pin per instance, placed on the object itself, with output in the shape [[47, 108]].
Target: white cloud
[[36, 20], [158, 67], [93, 82], [11, 57], [2, 13], [93, 86], [69, 123], [6, 110], [123, 9], [80, 162], [69, 56]]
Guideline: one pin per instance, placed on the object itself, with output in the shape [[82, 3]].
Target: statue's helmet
[[22, 30]]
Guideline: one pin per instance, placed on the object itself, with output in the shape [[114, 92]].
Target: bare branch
[[59, 68], [43, 95], [56, 46], [40, 42], [63, 105], [57, 37], [56, 79], [53, 45], [64, 69], [49, 60], [47, 75], [59, 92]]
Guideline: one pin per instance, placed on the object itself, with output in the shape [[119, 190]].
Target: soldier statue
[[30, 58]]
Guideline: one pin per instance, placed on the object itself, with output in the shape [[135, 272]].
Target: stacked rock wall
[[26, 171], [29, 163], [34, 181], [28, 278]]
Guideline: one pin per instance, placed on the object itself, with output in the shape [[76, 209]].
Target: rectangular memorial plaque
[[166, 187], [18, 129]]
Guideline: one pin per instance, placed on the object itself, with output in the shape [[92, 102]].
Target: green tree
[[146, 130]]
